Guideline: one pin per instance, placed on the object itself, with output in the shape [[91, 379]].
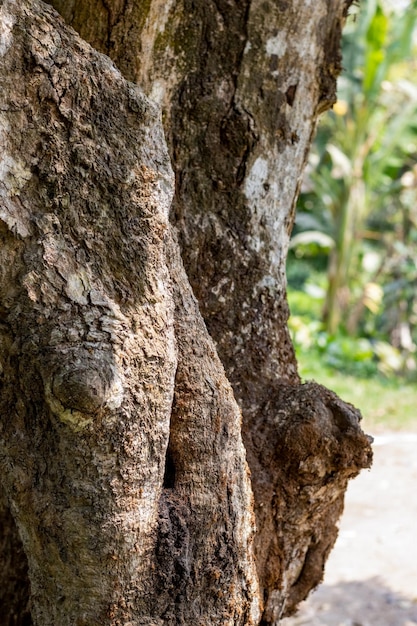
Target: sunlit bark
[[121, 439]]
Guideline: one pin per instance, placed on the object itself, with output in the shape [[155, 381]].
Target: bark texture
[[241, 85], [91, 351], [14, 588], [120, 437]]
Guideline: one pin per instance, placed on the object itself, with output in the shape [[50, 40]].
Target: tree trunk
[[121, 440]]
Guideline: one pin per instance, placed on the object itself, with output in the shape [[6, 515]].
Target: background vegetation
[[352, 268]]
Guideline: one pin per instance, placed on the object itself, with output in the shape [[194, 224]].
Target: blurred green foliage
[[352, 269], [384, 403]]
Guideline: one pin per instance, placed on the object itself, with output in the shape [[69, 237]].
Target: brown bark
[[121, 443], [14, 588], [90, 351]]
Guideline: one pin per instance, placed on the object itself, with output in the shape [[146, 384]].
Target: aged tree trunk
[[120, 438]]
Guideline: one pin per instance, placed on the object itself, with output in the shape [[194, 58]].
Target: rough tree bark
[[120, 437]]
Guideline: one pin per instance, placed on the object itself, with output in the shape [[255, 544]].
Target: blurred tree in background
[[353, 261]]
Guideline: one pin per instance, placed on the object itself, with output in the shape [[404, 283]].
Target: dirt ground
[[371, 575]]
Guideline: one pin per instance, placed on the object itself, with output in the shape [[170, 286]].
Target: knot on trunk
[[319, 435], [81, 388], [82, 383]]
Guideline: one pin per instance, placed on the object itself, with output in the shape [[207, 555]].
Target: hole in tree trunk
[[169, 476]]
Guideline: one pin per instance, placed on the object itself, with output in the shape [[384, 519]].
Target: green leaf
[[376, 39]]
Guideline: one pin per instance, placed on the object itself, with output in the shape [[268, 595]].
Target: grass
[[349, 368], [384, 403]]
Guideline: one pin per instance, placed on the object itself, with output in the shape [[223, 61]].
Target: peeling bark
[[120, 437]]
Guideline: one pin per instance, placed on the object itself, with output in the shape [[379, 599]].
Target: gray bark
[[120, 436]]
